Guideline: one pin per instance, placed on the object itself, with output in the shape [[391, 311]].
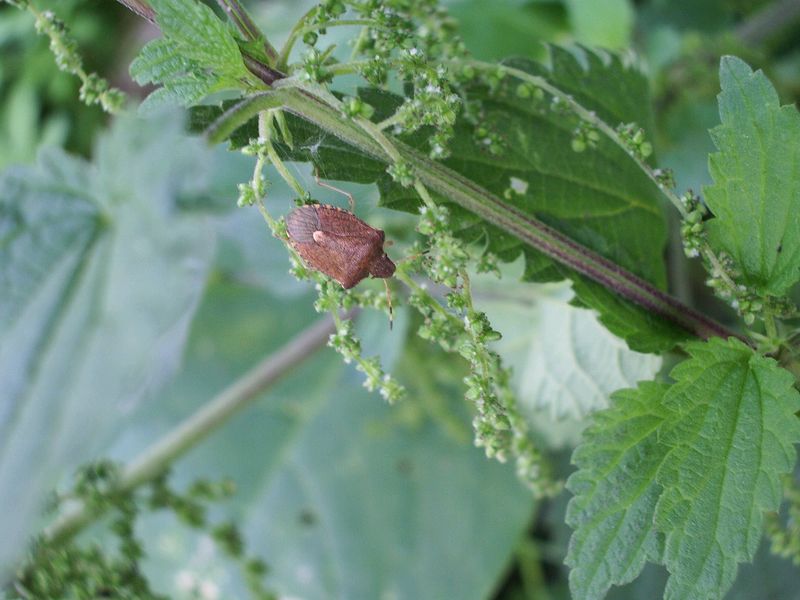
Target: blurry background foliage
[[342, 495]]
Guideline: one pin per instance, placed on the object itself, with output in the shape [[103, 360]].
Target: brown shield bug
[[339, 244]]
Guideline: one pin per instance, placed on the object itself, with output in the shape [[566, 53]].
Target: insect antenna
[[350, 202], [410, 257]]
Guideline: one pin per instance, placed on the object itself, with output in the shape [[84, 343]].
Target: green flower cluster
[[635, 140], [348, 346], [87, 570], [94, 89], [402, 37], [499, 426]]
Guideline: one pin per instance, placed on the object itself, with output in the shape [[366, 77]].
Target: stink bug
[[338, 244]]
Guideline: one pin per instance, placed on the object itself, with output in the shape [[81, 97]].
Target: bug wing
[[301, 224], [342, 263], [344, 224], [344, 246], [351, 240]]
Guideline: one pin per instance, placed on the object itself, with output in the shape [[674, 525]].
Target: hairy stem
[[466, 193], [159, 456]]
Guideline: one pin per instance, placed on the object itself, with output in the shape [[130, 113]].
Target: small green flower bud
[[694, 217], [578, 145]]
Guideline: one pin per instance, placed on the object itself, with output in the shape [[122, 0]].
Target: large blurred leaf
[[756, 196], [510, 28], [606, 23], [100, 277], [344, 496]]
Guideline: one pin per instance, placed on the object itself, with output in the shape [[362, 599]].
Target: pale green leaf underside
[[99, 276], [710, 449], [565, 365], [755, 197]]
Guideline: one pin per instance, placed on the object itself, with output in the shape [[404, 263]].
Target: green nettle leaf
[[616, 493], [200, 36], [695, 465], [597, 197], [100, 276], [198, 55], [159, 60], [728, 438], [756, 195], [183, 82]]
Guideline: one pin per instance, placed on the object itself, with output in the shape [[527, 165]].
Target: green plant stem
[[283, 57], [770, 326], [245, 24], [466, 193], [584, 114], [284, 172], [389, 121], [420, 188], [301, 31], [530, 569], [255, 182], [414, 286], [158, 457]]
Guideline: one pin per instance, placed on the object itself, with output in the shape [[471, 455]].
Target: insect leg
[[389, 302]]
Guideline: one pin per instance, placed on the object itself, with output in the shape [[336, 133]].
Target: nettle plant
[[551, 163]]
